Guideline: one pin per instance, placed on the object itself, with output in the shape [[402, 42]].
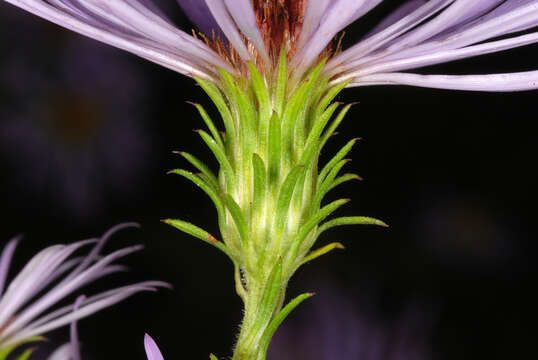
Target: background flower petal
[[152, 350]]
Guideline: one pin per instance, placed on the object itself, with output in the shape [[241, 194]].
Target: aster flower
[[49, 277], [418, 34], [272, 72]]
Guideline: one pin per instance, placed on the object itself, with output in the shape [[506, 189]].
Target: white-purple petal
[[227, 25], [358, 53], [442, 56], [520, 81], [337, 16], [245, 19]]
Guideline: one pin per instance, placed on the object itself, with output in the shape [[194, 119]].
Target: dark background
[[453, 173]]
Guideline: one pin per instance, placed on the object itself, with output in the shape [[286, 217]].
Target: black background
[[453, 173]]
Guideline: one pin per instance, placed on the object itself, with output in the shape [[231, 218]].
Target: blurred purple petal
[[5, 261], [24, 315], [152, 350], [73, 331]]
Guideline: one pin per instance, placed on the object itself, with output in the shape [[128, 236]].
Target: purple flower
[[418, 34], [54, 274]]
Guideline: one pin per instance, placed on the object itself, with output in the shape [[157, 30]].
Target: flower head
[[49, 277], [418, 34]]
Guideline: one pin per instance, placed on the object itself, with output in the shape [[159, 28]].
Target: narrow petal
[[402, 11], [313, 15], [492, 82], [73, 331], [505, 19], [337, 16], [30, 280], [152, 350], [199, 14], [357, 54], [93, 255], [459, 12], [147, 285], [84, 311], [224, 20], [5, 261], [63, 289], [243, 15], [438, 57]]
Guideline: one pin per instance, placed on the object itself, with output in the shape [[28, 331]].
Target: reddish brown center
[[280, 22]]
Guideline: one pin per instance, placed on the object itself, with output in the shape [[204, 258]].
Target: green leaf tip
[[212, 357]]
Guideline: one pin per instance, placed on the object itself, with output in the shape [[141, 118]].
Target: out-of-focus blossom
[[464, 233], [417, 34], [72, 131], [351, 328], [53, 274]]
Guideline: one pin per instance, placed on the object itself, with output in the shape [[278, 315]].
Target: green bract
[[269, 191]]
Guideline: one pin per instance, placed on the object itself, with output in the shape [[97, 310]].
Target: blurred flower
[[418, 34], [465, 233], [340, 327], [152, 350], [71, 129], [49, 277]]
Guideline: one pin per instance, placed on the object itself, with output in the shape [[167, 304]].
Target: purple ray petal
[[199, 14], [245, 18], [87, 309], [314, 12], [5, 261], [152, 350], [146, 286], [339, 14], [73, 331], [402, 11], [97, 249], [63, 289], [438, 57], [496, 23], [227, 25], [356, 55], [459, 12], [492, 82]]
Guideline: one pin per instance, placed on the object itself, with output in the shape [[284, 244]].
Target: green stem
[[256, 322]]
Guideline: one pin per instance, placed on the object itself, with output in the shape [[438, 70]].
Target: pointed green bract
[[277, 320], [269, 191]]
